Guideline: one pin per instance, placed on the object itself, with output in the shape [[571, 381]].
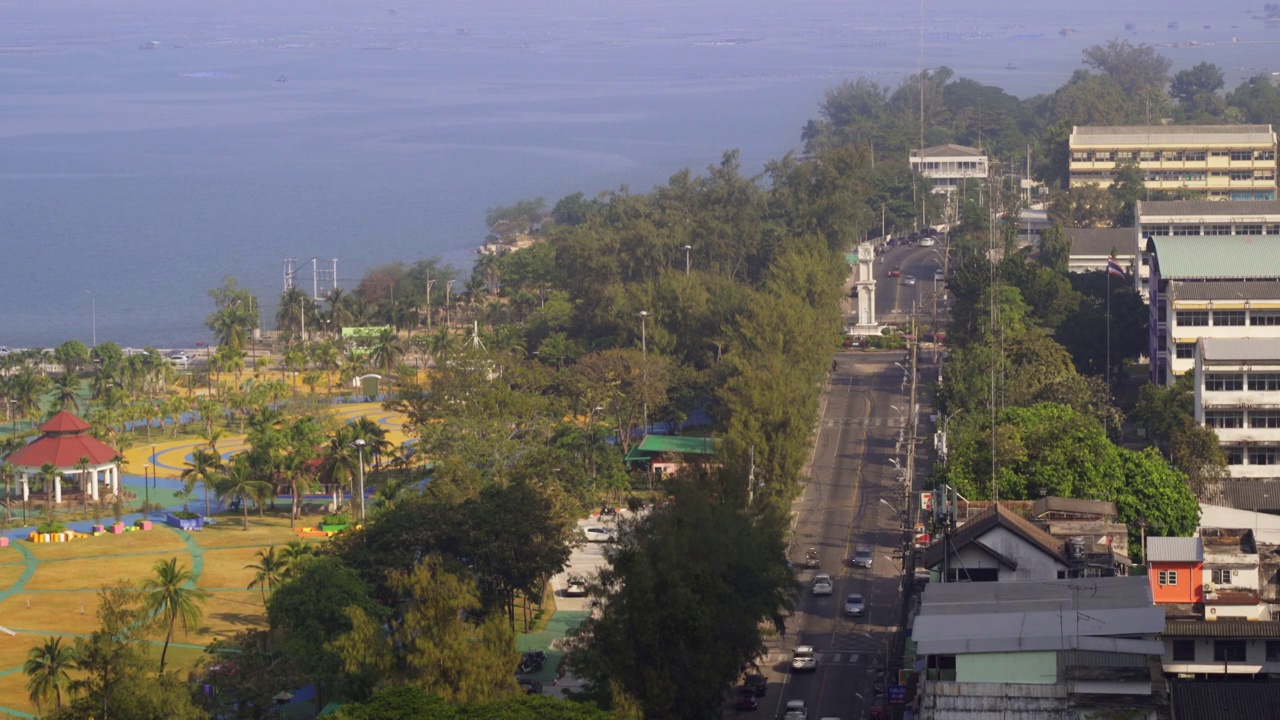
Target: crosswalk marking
[[822, 658]]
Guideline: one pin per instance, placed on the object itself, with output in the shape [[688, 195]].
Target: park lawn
[[230, 532], [93, 573], [179, 658], [50, 612], [13, 650], [10, 554], [225, 614], [9, 574], [225, 567], [159, 539], [13, 693]]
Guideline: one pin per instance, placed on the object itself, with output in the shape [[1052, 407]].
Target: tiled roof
[[1139, 135], [1263, 495], [64, 451], [983, 522], [1102, 241], [1206, 700], [1223, 628], [1175, 549], [1224, 290], [1245, 349], [1217, 257], [64, 422], [1207, 209]]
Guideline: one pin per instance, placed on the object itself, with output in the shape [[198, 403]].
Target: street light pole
[[687, 248], [447, 287], [644, 353], [430, 282], [146, 489], [360, 443], [93, 314]]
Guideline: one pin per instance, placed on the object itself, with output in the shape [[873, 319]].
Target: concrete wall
[[1255, 659], [1032, 563], [1033, 668]]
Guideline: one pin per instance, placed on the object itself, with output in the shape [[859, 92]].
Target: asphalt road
[[893, 299], [840, 511]]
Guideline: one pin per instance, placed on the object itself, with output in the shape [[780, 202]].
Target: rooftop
[[1175, 549], [1224, 290], [678, 444], [1255, 495], [1201, 700], [1240, 349], [1208, 209], [1222, 628], [948, 150], [1073, 506], [983, 522], [1138, 135], [1217, 257], [1100, 242]]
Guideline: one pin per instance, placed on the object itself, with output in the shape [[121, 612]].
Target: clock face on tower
[[865, 252]]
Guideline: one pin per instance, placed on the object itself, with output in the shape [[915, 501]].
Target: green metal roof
[[851, 258], [679, 444], [1217, 256]]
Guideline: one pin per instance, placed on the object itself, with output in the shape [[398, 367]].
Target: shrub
[[185, 515], [51, 528], [336, 519]]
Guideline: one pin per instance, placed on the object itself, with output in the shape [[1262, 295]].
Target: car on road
[[822, 584], [908, 279], [862, 557], [180, 359], [927, 242], [895, 271], [595, 533], [577, 587], [746, 700], [757, 683], [854, 605], [939, 275], [803, 660], [796, 710]]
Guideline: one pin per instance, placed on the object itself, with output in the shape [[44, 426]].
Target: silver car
[[854, 605], [822, 584], [862, 557], [908, 279], [803, 660]]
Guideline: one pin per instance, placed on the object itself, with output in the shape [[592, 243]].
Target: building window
[[1167, 577], [1264, 155], [1264, 317], [1273, 651], [1155, 230], [1228, 318], [1241, 155], [1234, 454], [1184, 650], [1224, 382], [1224, 419], [1229, 651], [1248, 229], [1264, 381], [1262, 455], [1186, 229], [1221, 577], [1192, 318], [1194, 156], [1217, 230], [1219, 153], [1184, 351], [1264, 419]]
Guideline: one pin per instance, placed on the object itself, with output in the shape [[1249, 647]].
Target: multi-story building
[[1175, 568], [948, 165], [1091, 247], [1205, 218], [1223, 162], [1237, 393], [1219, 287]]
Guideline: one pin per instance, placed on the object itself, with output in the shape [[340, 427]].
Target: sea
[[148, 148]]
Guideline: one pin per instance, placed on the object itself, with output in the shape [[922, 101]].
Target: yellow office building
[[1224, 162]]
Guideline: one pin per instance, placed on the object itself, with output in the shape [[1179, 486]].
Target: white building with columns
[[864, 284], [66, 444]]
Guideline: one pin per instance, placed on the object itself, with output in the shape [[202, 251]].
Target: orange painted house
[[1175, 568]]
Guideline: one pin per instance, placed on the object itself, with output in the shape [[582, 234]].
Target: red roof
[[63, 444], [64, 422]]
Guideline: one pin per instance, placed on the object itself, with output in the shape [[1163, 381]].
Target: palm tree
[[50, 474], [211, 436], [82, 467], [7, 472], [270, 568], [294, 552], [388, 351], [205, 465], [239, 482], [172, 597], [46, 669], [66, 389]]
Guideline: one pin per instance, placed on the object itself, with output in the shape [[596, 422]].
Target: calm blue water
[[147, 175]]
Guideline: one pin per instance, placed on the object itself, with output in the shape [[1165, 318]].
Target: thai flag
[[1114, 268]]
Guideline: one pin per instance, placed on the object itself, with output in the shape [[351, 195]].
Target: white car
[[854, 605], [595, 533], [908, 279], [577, 587], [180, 359], [927, 242], [803, 660], [795, 710], [939, 275], [822, 584]]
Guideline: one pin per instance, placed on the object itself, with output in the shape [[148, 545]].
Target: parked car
[[854, 605], [802, 660], [577, 587], [908, 279], [895, 271], [595, 533], [796, 710], [862, 557], [927, 242], [746, 700], [822, 584], [758, 684], [530, 686]]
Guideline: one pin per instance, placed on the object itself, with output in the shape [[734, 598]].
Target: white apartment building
[[1206, 218], [1220, 287], [948, 165], [1237, 393]]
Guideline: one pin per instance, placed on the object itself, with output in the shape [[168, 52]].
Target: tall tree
[[268, 571], [204, 466], [47, 670], [1138, 69], [171, 597]]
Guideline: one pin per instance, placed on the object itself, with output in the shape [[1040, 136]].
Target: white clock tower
[[865, 282]]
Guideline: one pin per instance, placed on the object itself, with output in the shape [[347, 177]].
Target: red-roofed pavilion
[[65, 439]]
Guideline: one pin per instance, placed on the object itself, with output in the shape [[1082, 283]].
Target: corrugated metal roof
[[1217, 256], [1224, 290], [982, 523], [1222, 628], [948, 150], [1246, 349], [1102, 241], [1158, 135], [678, 444], [1175, 549], [1074, 506], [1254, 495], [1204, 700], [1208, 209]]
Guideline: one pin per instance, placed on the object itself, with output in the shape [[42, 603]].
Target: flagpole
[[1108, 322]]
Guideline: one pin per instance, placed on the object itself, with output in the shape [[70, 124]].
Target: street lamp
[[644, 351], [687, 249], [93, 314], [155, 465], [448, 286], [359, 445], [430, 281], [146, 489]]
